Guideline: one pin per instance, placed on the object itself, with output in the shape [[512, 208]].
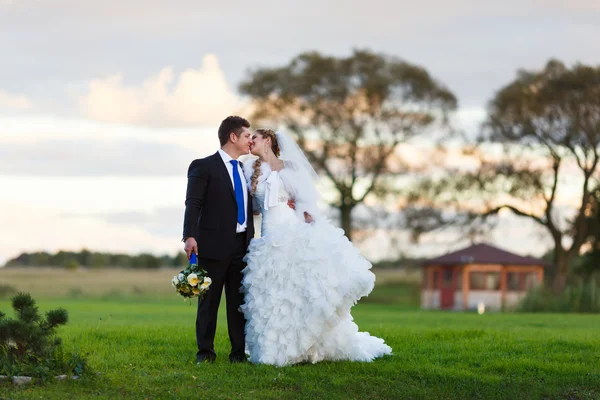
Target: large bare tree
[[349, 114], [538, 150]]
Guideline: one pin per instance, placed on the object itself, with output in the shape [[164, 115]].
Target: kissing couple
[[289, 292]]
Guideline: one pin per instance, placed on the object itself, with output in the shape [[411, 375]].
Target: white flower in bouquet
[[206, 283], [193, 279], [174, 281], [181, 278]]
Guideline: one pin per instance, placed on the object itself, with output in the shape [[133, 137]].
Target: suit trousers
[[228, 273]]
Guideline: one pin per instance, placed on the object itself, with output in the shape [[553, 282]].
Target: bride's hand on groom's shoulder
[[190, 247]]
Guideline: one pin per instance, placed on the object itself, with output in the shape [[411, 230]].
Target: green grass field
[[139, 340], [144, 349]]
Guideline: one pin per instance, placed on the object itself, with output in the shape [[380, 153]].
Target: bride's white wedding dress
[[301, 281]]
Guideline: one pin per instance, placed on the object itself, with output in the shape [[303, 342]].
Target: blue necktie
[[239, 194]]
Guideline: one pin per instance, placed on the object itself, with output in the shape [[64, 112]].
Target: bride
[[302, 275]]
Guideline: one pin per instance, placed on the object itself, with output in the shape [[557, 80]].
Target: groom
[[218, 226]]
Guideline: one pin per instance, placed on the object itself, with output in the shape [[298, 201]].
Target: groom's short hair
[[233, 124]]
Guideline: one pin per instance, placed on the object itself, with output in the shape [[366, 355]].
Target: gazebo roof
[[484, 254]]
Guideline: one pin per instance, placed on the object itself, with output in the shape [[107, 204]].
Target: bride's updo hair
[[265, 133]]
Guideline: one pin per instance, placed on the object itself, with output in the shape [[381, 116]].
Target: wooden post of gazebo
[[503, 288], [430, 285], [465, 286]]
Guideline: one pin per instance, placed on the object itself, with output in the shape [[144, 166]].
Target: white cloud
[[572, 5], [165, 221], [87, 196], [34, 128], [92, 157], [130, 214], [197, 97], [29, 229], [34, 145], [14, 102]]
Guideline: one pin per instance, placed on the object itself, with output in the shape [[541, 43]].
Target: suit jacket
[[211, 209]]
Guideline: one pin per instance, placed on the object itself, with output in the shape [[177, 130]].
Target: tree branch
[[516, 211], [378, 168], [554, 231], [555, 168]]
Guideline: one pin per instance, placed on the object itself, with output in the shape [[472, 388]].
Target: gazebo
[[480, 273]]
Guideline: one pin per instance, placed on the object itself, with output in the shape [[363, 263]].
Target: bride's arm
[[255, 206], [303, 193], [307, 217]]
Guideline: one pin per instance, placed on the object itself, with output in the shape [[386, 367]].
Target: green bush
[[582, 297], [7, 290], [71, 264], [28, 344]]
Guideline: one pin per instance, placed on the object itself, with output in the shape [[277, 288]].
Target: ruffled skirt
[[300, 283]]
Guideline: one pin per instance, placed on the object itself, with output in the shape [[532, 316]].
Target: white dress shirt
[[227, 160]]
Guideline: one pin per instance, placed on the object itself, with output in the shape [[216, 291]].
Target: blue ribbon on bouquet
[[193, 259]]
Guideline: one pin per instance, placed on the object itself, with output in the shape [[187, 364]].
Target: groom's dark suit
[[211, 218]]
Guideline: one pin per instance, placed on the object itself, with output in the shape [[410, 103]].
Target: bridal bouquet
[[192, 281]]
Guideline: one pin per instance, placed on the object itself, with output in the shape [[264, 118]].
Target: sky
[[103, 104]]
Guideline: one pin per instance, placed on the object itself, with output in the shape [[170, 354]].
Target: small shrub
[[28, 344]]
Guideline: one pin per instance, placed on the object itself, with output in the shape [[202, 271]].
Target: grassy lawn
[[145, 348]]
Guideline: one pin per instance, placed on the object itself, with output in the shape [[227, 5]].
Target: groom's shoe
[[235, 360], [205, 358]]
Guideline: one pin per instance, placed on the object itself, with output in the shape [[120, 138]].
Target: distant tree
[[145, 260], [62, 258], [120, 260], [349, 114], [71, 264], [547, 125], [180, 260], [98, 260], [41, 259], [85, 257]]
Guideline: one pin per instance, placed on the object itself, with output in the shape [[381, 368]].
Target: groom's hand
[[308, 218], [190, 246]]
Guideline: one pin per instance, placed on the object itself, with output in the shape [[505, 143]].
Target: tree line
[[91, 259]]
